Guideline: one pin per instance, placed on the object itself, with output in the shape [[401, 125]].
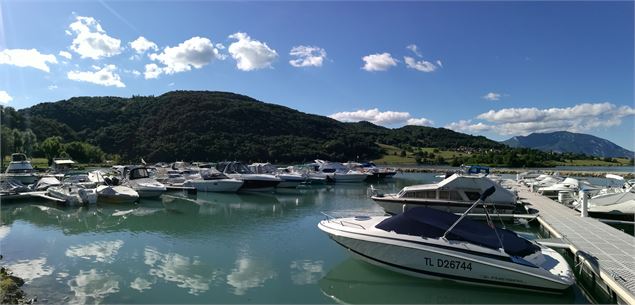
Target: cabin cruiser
[[110, 191], [21, 170], [138, 178], [376, 173], [430, 243], [339, 173], [454, 194], [251, 181], [211, 180], [611, 205], [290, 179]]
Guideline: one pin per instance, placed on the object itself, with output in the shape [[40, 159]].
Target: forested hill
[[563, 141], [202, 125]]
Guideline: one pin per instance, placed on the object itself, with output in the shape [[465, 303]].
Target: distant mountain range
[[563, 141]]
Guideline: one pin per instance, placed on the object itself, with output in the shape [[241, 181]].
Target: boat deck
[[610, 252]]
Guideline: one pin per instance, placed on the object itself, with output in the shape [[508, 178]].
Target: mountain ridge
[[564, 141]]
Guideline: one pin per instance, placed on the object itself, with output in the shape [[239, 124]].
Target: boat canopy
[[431, 223]]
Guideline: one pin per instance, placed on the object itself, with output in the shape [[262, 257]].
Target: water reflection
[[30, 270], [101, 251], [186, 272], [305, 272], [356, 282], [250, 272], [140, 284], [92, 286]]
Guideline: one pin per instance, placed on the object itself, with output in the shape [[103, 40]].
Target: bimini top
[[431, 223]]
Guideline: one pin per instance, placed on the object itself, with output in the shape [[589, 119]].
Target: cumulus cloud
[[384, 118], [419, 65], [91, 41], [307, 56], [152, 71], [492, 96], [5, 98], [195, 52], [523, 121], [105, 76], [27, 58], [66, 55], [141, 45], [378, 62], [251, 54]]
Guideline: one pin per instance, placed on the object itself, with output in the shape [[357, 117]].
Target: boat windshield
[[139, 173], [20, 170], [431, 223]]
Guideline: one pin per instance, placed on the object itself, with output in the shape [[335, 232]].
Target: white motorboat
[[116, 194], [290, 179], [339, 173], [211, 180], [612, 205], [251, 181], [375, 172], [454, 194], [138, 178], [21, 170], [429, 243], [46, 182], [73, 194]]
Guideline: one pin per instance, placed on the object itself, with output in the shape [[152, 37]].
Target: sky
[[498, 69]]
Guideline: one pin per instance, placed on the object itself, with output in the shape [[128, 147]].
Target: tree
[[52, 147]]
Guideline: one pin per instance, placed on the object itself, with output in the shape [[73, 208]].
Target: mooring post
[[585, 204]]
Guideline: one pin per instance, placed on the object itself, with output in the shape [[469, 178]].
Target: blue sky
[[493, 68]]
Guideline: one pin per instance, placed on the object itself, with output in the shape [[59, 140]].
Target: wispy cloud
[[523, 121], [384, 118], [492, 96], [379, 62], [91, 41], [307, 56], [105, 76], [251, 54], [27, 58]]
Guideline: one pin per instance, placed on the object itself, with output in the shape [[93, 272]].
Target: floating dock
[[604, 253]]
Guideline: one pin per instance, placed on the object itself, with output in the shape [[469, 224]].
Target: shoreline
[[568, 172]]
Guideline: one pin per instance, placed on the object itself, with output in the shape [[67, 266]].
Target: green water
[[218, 248]]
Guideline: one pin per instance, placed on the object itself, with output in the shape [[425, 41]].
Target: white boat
[[290, 178], [375, 172], [251, 181], [60, 167], [21, 170], [211, 180], [116, 194], [454, 194], [429, 243], [73, 194], [138, 178], [339, 173], [46, 182], [616, 205]]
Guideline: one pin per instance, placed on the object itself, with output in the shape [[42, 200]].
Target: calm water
[[218, 248]]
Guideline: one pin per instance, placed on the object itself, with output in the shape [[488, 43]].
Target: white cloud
[[30, 270], [66, 55], [251, 54], [52, 87], [385, 118], [91, 41], [414, 49], [195, 52], [522, 121], [92, 286], [439, 63], [152, 71], [141, 45], [492, 96], [135, 72], [307, 56], [106, 76], [5, 98], [27, 58], [419, 65], [378, 62]]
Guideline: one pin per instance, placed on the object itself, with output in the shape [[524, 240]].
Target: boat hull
[[349, 178], [431, 261], [25, 179], [215, 185], [116, 194]]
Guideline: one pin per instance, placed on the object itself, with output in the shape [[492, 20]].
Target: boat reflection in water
[[357, 282]]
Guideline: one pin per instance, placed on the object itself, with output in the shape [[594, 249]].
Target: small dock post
[[585, 204]]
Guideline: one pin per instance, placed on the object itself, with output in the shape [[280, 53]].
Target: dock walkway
[[610, 252]]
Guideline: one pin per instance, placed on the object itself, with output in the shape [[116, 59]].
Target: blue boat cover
[[431, 223]]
